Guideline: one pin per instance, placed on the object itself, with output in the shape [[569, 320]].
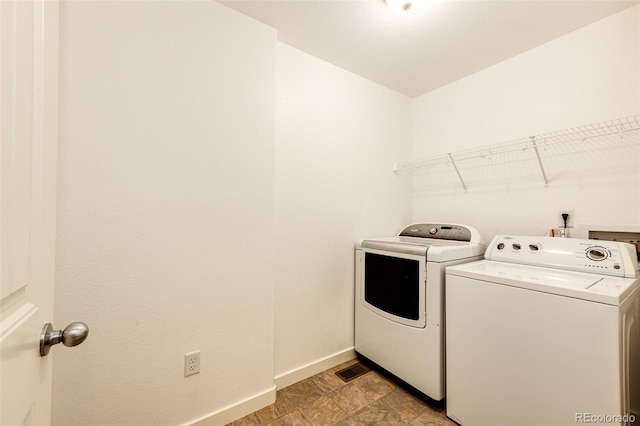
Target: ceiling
[[440, 41]]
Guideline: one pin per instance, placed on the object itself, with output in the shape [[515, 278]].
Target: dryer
[[399, 305], [544, 331]]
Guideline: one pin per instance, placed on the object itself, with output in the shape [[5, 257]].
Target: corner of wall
[[238, 410]]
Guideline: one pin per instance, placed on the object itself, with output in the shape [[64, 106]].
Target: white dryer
[[544, 331], [399, 317]]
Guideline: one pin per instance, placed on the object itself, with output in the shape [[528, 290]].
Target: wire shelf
[[531, 146]]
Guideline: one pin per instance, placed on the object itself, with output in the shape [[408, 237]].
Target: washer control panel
[[595, 256]]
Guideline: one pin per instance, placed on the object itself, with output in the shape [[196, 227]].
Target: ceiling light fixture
[[400, 6]]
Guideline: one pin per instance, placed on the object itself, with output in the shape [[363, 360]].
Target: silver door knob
[[72, 335]]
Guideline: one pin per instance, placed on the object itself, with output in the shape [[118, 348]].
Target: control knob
[[597, 254]]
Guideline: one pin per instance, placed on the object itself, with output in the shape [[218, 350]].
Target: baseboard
[[268, 397], [313, 368], [238, 410]]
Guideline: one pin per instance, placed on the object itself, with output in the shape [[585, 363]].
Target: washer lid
[[579, 285]]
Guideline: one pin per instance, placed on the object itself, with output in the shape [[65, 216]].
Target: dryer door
[[395, 286]]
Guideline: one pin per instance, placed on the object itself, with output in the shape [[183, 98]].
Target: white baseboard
[[238, 410], [313, 368], [268, 397]]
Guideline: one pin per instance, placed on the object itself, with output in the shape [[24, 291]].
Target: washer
[[544, 331], [399, 299]]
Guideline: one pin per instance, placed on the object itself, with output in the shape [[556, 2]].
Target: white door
[[29, 74]]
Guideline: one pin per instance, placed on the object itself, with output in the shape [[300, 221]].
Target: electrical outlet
[[570, 219], [191, 363]]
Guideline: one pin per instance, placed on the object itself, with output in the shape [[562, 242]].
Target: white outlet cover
[[191, 363]]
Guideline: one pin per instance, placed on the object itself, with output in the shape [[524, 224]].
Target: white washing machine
[[544, 331], [399, 317]]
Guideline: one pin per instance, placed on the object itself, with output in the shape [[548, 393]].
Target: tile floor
[[325, 400]]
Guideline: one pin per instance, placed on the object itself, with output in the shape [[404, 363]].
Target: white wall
[[166, 201], [170, 175], [588, 76], [338, 135], [176, 151]]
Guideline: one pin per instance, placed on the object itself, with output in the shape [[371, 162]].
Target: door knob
[[72, 335]]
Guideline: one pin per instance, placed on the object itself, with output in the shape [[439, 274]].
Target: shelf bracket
[[535, 147], [453, 163]]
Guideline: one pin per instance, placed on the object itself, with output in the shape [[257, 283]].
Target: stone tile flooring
[[324, 400]]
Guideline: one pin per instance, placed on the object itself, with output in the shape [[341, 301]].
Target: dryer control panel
[[441, 231], [594, 256]]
